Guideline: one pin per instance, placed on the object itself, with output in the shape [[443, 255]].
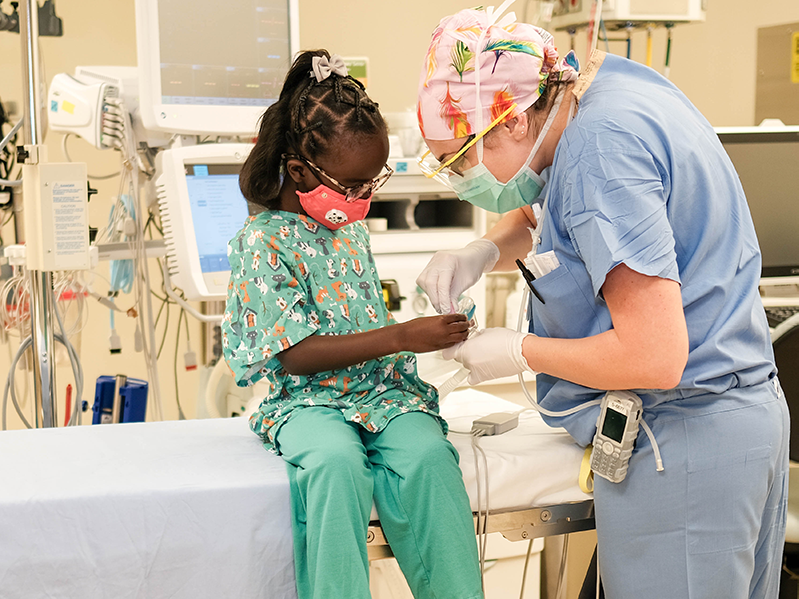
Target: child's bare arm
[[319, 353]]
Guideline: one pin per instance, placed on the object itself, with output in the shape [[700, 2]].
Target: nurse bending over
[[346, 408], [647, 271]]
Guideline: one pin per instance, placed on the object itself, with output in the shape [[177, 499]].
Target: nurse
[[647, 271]]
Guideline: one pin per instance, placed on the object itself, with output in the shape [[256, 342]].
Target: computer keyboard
[[779, 314]]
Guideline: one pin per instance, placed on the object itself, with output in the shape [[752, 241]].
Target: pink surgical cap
[[515, 62]]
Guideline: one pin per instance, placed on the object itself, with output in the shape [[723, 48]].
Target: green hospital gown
[[292, 277]]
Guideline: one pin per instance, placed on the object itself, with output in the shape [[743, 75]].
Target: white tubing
[[452, 383], [213, 318]]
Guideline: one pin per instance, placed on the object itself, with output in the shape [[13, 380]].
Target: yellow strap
[[586, 474], [463, 150]]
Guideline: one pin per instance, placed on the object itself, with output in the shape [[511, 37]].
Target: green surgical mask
[[480, 187]]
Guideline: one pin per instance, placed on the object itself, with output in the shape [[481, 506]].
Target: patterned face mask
[[331, 208]]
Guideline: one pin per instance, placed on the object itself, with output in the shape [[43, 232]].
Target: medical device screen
[[209, 58], [218, 211], [613, 427], [766, 164]]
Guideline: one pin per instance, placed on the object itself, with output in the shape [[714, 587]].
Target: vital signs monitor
[[202, 208], [209, 67], [766, 159]]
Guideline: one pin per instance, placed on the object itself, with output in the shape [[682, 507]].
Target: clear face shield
[[458, 164]]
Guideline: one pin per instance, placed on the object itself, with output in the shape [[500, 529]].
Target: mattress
[[199, 509]]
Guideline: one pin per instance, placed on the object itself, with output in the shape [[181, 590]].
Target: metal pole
[[19, 214], [41, 283], [42, 323], [29, 35]]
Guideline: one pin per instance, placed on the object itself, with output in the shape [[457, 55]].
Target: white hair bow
[[321, 67]]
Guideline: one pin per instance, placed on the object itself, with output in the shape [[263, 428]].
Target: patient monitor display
[[202, 208], [211, 67], [218, 211], [766, 162]]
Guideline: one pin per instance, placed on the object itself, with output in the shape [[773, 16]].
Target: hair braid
[[309, 118]]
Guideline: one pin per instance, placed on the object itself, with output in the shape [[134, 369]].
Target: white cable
[[479, 509], [129, 184], [11, 383], [583, 406], [598, 586], [212, 318], [533, 402], [487, 503], [648, 431], [597, 21], [26, 343], [562, 570], [69, 159], [452, 383], [143, 274]]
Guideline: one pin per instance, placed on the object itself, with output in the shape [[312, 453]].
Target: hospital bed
[[533, 469], [198, 509]]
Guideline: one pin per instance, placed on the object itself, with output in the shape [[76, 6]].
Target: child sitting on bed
[[346, 408]]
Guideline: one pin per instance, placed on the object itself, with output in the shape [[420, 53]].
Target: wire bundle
[[77, 369]]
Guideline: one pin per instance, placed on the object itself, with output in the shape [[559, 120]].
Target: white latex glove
[[490, 354], [450, 273]]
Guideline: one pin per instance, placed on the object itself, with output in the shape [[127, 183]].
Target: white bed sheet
[[530, 466], [198, 509], [192, 509]]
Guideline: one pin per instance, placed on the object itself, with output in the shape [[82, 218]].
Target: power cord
[[496, 424], [493, 424], [181, 415]]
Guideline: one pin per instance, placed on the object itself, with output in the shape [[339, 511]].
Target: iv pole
[[41, 283]]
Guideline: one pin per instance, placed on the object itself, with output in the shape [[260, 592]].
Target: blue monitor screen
[[218, 210]]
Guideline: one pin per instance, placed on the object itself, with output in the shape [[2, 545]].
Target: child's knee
[[346, 461], [434, 452]]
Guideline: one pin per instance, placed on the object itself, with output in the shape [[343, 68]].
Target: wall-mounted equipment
[[575, 14]]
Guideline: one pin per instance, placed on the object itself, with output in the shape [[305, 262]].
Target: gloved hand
[[451, 273], [490, 354]]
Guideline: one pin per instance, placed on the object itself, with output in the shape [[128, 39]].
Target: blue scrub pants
[[712, 524], [335, 468]]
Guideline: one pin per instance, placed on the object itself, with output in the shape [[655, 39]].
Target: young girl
[[346, 408]]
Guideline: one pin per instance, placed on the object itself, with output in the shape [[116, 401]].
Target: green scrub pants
[[336, 467]]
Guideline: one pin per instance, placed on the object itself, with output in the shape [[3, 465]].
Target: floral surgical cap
[[515, 61]]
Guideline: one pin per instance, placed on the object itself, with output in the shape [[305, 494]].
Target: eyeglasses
[[354, 192], [432, 169]]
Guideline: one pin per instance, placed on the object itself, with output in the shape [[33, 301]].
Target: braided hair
[[309, 119]]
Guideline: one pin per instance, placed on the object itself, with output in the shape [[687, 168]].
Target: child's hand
[[432, 333]]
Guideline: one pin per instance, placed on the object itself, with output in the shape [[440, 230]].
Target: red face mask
[[331, 207]]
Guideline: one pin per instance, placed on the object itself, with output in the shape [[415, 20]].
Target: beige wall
[[713, 62]]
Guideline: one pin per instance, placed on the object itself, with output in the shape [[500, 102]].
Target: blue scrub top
[[639, 177]]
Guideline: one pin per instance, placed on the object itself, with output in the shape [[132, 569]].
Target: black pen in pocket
[[529, 277]]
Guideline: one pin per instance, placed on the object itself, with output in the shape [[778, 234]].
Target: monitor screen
[[228, 54], [766, 164], [218, 211], [208, 67]]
